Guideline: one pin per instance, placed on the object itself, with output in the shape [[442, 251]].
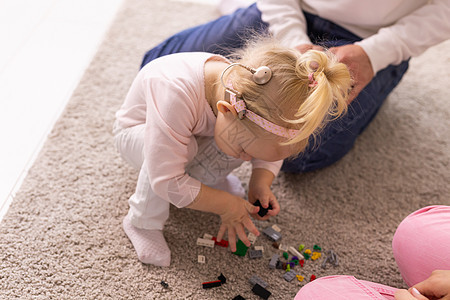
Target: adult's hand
[[437, 286], [359, 65], [305, 47]]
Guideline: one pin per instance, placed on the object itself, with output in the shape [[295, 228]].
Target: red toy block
[[222, 243], [211, 284], [312, 277], [301, 262]]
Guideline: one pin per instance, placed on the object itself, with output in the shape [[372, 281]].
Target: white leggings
[[147, 210]]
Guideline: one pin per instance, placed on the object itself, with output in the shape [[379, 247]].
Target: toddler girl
[[189, 119]]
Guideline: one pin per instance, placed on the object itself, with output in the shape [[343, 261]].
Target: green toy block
[[315, 247], [301, 247], [241, 249], [285, 255], [306, 255]]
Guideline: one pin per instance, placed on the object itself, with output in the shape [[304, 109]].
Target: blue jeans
[[229, 32]]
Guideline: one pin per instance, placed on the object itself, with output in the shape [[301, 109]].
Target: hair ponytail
[[289, 99], [327, 96]]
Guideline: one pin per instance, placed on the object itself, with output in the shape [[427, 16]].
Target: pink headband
[[241, 109]]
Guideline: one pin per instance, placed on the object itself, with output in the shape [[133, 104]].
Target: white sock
[[150, 245], [231, 184]]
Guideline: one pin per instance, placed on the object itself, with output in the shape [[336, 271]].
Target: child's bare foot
[[150, 245]]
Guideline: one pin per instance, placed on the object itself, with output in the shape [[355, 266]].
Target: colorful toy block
[[317, 248], [272, 234], [276, 228], [285, 255], [252, 238], [222, 278], [260, 291], [301, 247], [284, 248], [211, 284], [252, 254], [273, 261], [262, 211], [222, 243], [205, 242], [241, 249], [313, 277], [300, 278], [288, 276], [257, 280], [294, 252], [164, 284]]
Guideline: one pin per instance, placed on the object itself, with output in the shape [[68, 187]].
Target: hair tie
[[312, 81]]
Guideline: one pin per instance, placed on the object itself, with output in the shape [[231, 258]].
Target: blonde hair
[[295, 104]]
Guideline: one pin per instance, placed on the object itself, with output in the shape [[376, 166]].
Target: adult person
[[374, 38], [421, 250]]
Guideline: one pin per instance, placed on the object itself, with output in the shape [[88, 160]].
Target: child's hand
[[234, 219], [264, 194]]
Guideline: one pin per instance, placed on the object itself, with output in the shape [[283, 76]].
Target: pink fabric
[[421, 244]]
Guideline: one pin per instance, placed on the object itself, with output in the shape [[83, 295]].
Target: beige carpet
[[62, 237]]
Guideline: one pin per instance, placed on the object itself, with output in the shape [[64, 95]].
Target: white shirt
[[392, 30]]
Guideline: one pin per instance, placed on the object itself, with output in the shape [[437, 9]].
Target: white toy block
[[283, 247], [207, 236], [259, 248], [276, 228], [201, 259], [294, 252], [252, 238], [205, 242]]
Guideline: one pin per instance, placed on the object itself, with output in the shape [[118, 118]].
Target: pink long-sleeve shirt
[[168, 96]]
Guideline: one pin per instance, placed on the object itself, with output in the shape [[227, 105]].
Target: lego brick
[[273, 261], [300, 278], [301, 247], [205, 242], [288, 276], [294, 252], [276, 228], [255, 254], [211, 284], [283, 248], [222, 278], [272, 234], [262, 211], [207, 236], [257, 280], [252, 238], [164, 284], [260, 291], [241, 249], [222, 243], [313, 277], [259, 248], [201, 259], [279, 265]]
